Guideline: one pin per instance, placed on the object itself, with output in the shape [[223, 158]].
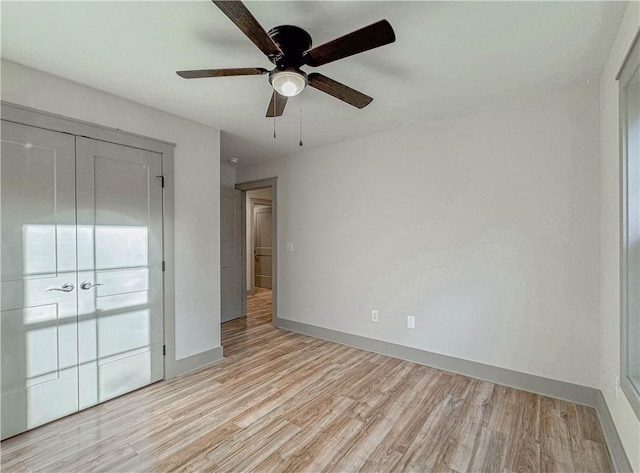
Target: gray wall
[[197, 193], [484, 227]]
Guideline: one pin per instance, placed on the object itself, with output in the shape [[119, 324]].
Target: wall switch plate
[[374, 316], [288, 246], [411, 322]]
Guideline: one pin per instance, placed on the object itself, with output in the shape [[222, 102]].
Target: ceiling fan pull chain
[[300, 144], [275, 98]]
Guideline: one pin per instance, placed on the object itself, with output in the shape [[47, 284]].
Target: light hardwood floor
[[286, 402]]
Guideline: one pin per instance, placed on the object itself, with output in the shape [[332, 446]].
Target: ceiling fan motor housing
[[293, 42]]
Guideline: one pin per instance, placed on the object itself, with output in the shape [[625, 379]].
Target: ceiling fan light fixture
[[288, 83]]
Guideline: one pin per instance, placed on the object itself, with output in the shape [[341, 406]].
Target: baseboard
[[197, 361], [621, 463], [527, 382], [515, 379]]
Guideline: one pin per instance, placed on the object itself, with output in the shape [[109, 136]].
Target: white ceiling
[[448, 56]]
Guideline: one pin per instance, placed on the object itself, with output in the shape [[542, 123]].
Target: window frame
[[630, 312]]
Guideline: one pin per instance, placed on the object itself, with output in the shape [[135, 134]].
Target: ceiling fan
[[289, 48]]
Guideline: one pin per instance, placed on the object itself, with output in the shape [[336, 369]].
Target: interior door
[[230, 254], [263, 237], [38, 321], [119, 208]]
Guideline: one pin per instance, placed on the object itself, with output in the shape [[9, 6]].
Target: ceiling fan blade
[[364, 39], [276, 105], [242, 17], [243, 71], [339, 91]]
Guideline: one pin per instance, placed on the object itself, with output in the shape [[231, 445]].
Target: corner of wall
[[620, 424]]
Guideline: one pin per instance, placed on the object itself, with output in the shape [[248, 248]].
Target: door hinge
[[161, 180], [164, 266], [164, 350]]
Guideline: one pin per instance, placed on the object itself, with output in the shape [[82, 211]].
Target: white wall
[[264, 194], [485, 228], [197, 204], [626, 421]]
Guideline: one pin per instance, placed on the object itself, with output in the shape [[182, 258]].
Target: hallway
[[239, 334]]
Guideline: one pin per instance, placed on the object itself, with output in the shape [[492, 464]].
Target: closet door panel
[[38, 325], [120, 256]]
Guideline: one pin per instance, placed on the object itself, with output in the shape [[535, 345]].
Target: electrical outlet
[[374, 316], [411, 322], [288, 247]]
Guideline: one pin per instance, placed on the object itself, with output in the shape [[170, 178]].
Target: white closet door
[[119, 204], [38, 322]]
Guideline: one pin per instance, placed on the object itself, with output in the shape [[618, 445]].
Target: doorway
[[259, 240]]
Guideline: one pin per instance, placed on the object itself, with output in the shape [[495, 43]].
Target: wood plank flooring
[[281, 401]]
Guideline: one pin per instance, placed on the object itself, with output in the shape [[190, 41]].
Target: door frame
[[249, 186], [50, 121]]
